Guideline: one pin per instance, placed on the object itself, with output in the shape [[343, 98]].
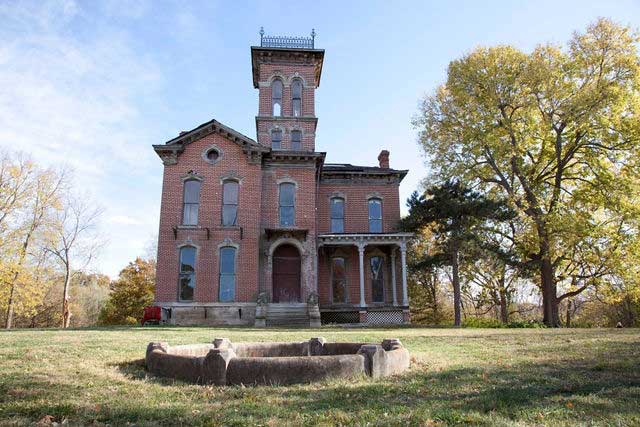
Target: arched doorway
[[286, 274]]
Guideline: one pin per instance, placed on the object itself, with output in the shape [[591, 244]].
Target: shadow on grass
[[603, 386]]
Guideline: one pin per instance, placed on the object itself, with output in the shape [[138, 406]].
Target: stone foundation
[[214, 314], [227, 363]]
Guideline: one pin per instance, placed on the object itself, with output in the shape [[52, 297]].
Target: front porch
[[358, 278]]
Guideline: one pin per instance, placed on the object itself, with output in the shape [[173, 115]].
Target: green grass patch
[[458, 377]]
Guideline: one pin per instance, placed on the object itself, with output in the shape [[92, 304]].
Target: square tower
[[286, 71]]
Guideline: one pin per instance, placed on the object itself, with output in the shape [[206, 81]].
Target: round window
[[212, 155]]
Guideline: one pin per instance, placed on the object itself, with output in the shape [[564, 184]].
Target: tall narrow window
[[230, 202], [187, 272], [191, 202], [276, 139], [276, 97], [337, 215], [296, 98], [296, 140], [287, 203], [377, 279], [227, 274], [338, 280], [375, 216]]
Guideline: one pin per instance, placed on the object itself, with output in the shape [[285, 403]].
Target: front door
[[286, 274]]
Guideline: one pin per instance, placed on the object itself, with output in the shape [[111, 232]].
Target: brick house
[[264, 232]]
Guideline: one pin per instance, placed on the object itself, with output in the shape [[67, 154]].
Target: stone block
[[316, 346], [214, 366], [222, 343], [375, 358]]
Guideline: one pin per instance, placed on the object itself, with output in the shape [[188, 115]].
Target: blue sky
[[92, 84]]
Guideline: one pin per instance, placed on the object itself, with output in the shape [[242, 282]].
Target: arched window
[[338, 280], [227, 274], [296, 140], [276, 139], [276, 97], [187, 273], [375, 216], [296, 98], [191, 202], [377, 278], [286, 202], [230, 202], [337, 215]]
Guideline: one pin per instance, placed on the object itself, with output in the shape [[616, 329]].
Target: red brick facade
[[262, 172]]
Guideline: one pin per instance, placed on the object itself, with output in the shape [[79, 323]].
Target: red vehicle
[[152, 314]]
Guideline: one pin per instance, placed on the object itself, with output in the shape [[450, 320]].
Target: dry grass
[[467, 376]]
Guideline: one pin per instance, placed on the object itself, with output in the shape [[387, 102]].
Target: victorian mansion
[[264, 232]]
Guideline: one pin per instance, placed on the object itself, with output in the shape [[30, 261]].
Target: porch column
[[393, 276], [405, 295], [361, 246]]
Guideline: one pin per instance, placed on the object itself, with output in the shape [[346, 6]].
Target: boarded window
[[296, 98], [227, 274], [377, 279], [375, 216], [337, 215], [339, 280], [276, 139], [191, 202], [287, 204], [230, 203], [187, 273], [276, 97], [296, 140]]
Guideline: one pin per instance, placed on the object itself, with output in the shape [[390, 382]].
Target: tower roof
[[284, 49]]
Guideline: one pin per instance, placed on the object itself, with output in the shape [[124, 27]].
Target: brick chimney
[[383, 159]]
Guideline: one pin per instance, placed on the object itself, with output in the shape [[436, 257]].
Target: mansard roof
[[170, 150], [347, 170]]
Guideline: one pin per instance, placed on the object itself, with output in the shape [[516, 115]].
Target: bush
[[482, 322]]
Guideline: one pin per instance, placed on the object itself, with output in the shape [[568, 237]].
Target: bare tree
[[74, 242]]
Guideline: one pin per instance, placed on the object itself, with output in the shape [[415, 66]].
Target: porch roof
[[364, 238]]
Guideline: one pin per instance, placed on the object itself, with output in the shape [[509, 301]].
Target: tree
[[557, 132], [29, 197], [72, 239], [133, 291], [454, 213]]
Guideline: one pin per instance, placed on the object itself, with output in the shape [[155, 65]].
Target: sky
[[91, 85]]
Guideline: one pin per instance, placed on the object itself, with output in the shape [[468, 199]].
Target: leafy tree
[[557, 132], [425, 284], [132, 292], [29, 197], [454, 214]]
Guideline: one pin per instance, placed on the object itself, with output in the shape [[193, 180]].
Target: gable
[[170, 150]]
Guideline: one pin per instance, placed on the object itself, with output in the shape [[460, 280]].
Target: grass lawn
[[458, 376]]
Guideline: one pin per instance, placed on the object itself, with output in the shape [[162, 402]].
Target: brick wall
[[356, 210], [232, 162], [305, 71]]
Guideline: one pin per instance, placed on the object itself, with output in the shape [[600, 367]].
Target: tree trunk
[[455, 280], [549, 294], [8, 324], [551, 317], [504, 306], [66, 313], [568, 317], [11, 303]]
